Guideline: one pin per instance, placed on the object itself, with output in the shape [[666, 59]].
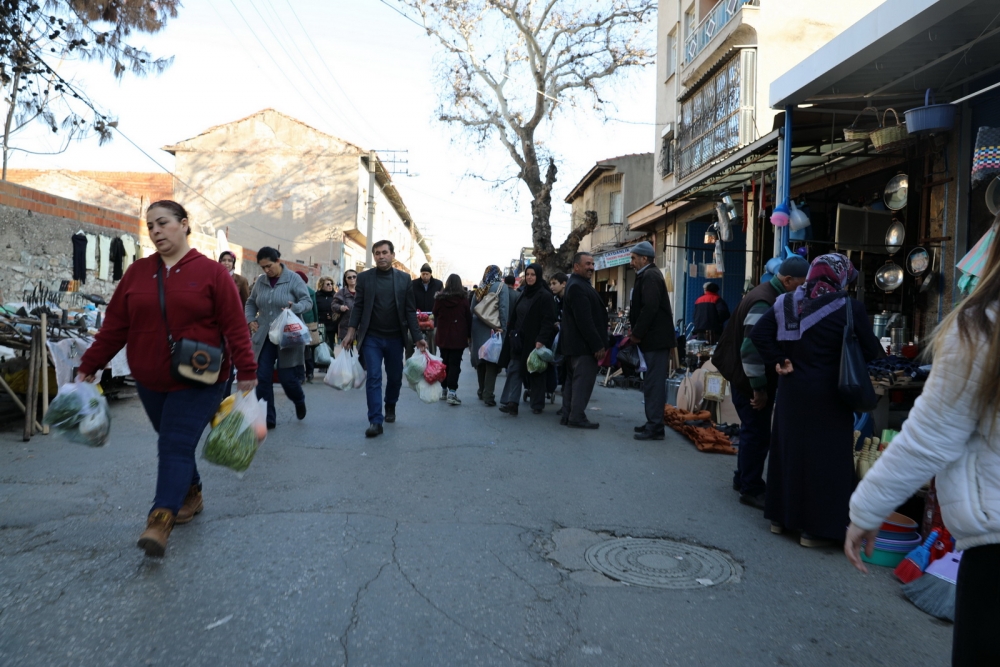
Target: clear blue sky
[[383, 96]]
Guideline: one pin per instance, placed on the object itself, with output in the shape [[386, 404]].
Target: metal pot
[[900, 338], [879, 323], [889, 277]]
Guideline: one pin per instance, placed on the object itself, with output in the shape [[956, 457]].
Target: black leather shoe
[[536, 411], [564, 421], [490, 403], [649, 435], [639, 429], [505, 408], [373, 430], [512, 409], [300, 410], [752, 501], [390, 414], [584, 424], [271, 425]]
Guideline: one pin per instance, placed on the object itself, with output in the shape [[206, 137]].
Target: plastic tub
[[884, 558], [930, 117]]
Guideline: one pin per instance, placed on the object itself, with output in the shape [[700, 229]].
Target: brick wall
[[154, 186], [35, 239]]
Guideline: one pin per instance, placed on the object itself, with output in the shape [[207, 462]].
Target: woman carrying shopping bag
[[198, 308], [273, 292], [343, 303], [532, 326], [326, 290], [490, 289], [454, 333]]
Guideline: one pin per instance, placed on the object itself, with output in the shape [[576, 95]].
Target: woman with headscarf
[[532, 325], [810, 472], [492, 283]]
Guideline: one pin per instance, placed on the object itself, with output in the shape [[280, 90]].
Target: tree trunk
[[10, 118]]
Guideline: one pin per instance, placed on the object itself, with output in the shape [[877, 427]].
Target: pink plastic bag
[[435, 371]]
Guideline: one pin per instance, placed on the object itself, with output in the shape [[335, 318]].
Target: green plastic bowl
[[884, 558]]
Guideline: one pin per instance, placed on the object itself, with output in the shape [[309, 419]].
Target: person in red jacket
[[454, 332], [202, 304], [710, 314]]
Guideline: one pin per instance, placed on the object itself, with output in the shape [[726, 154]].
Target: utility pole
[[371, 210]]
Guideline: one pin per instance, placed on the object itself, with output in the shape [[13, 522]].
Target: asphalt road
[[456, 538]]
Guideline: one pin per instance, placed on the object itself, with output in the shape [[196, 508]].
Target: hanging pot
[[993, 196], [895, 192], [894, 237], [889, 277], [918, 261]]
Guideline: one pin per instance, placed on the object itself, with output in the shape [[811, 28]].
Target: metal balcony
[[711, 25]]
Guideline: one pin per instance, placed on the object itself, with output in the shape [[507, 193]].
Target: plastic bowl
[[898, 523], [884, 558], [892, 536]]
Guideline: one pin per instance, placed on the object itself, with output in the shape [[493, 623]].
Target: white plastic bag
[[414, 368], [80, 413], [234, 441], [358, 372], [322, 355], [490, 350], [288, 330], [429, 393], [340, 375], [798, 219]]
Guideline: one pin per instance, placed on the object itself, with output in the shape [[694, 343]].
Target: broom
[[935, 593], [916, 561]]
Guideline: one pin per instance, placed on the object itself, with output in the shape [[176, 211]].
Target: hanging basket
[[855, 132], [890, 138], [930, 117]]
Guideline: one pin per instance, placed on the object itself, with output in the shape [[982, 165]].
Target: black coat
[[584, 327], [425, 298], [364, 303], [534, 318], [650, 315]]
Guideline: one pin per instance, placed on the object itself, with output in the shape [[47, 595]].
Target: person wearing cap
[[753, 384], [425, 288], [710, 314], [652, 328]]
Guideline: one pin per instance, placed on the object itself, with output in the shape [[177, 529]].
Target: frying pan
[[889, 277], [918, 261], [895, 192], [932, 275]]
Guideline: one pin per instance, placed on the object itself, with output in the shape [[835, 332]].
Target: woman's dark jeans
[[291, 380], [453, 362], [179, 417], [977, 608]]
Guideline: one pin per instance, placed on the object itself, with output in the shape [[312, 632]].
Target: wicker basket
[[855, 133], [888, 138]]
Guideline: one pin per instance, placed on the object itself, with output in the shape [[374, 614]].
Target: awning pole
[[786, 183]]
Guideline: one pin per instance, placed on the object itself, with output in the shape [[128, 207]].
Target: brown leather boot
[[158, 527], [192, 505]]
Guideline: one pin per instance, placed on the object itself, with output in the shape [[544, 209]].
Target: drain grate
[[661, 563]]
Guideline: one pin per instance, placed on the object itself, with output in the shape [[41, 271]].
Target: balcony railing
[[711, 25]]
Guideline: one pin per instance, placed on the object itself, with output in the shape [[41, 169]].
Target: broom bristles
[[932, 595]]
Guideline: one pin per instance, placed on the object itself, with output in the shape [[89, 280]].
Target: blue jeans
[[755, 441], [291, 380], [375, 351], [179, 417]]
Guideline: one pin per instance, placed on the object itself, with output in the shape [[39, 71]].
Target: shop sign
[[613, 258]]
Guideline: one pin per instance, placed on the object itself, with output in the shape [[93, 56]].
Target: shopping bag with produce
[[80, 413], [425, 321], [429, 392], [235, 440], [537, 362], [340, 375], [224, 409], [414, 368], [435, 370], [288, 330], [322, 355], [490, 350]]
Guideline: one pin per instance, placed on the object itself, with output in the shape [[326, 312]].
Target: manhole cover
[[661, 563]]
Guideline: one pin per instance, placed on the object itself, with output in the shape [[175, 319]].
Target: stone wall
[[35, 239]]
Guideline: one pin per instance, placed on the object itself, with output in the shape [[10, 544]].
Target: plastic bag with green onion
[[80, 413], [234, 442]]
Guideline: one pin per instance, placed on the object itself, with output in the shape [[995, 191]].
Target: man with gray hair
[[753, 383], [652, 329]]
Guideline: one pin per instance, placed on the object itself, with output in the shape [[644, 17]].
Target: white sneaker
[[453, 399]]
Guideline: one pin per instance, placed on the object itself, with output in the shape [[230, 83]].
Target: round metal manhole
[[661, 563]]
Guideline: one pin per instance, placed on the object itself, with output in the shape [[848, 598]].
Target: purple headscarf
[[821, 295]]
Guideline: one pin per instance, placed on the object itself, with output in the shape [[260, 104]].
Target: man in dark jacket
[[710, 314], [753, 384], [583, 341], [652, 329], [424, 289], [383, 313]]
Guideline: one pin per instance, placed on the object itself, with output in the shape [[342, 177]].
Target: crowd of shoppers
[[532, 325]]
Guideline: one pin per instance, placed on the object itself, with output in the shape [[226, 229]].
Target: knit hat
[[794, 267], [426, 268], [644, 249]]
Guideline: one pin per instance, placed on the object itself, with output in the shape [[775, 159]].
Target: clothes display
[[79, 241], [91, 253], [117, 256], [104, 264]]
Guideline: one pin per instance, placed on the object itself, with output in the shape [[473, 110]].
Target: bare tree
[[37, 35], [512, 65]]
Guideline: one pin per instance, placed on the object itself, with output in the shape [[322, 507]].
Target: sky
[[357, 70]]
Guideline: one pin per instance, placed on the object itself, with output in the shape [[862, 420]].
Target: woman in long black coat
[[533, 325], [810, 474]]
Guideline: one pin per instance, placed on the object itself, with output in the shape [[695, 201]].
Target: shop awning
[[646, 216], [812, 159], [892, 55]]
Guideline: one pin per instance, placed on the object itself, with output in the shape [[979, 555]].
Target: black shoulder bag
[[190, 361], [854, 385]]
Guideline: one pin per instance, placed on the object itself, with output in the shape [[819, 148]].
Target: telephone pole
[[371, 210]]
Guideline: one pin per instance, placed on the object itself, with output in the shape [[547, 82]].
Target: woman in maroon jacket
[[202, 304], [453, 321]]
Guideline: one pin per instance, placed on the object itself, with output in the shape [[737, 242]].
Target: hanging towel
[[129, 252], [117, 258], [974, 262], [80, 257], [91, 252], [105, 265]]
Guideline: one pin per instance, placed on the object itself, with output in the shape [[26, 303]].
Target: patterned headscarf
[[490, 276], [822, 295]]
